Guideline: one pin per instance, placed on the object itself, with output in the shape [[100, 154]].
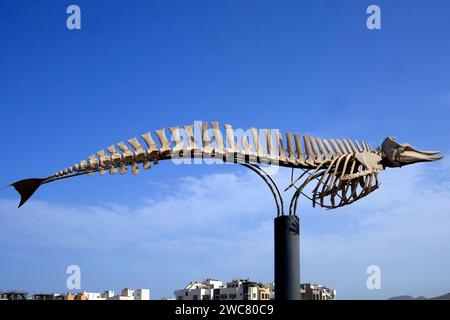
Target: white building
[[234, 290], [119, 297], [93, 295], [108, 294], [127, 293], [239, 290], [199, 290], [142, 294], [132, 294], [309, 291]]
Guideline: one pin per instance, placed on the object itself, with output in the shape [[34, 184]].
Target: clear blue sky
[[136, 66]]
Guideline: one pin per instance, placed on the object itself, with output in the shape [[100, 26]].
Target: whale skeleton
[[341, 171]]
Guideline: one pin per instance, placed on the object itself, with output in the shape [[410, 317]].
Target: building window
[[180, 298], [195, 297]]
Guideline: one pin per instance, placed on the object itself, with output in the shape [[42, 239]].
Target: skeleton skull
[[395, 154]]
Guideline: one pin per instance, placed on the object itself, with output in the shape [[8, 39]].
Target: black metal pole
[[287, 257]]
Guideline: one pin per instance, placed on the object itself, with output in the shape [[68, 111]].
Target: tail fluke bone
[[26, 188]]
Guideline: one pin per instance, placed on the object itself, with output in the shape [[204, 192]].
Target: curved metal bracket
[[271, 184], [276, 192]]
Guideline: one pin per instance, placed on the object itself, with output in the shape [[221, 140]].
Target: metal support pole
[[287, 257], [287, 243]]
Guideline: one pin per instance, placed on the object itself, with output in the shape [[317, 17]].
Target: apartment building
[[239, 289], [309, 291], [199, 290]]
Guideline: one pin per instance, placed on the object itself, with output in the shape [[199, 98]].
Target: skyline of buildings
[[208, 289], [125, 294], [245, 289]]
